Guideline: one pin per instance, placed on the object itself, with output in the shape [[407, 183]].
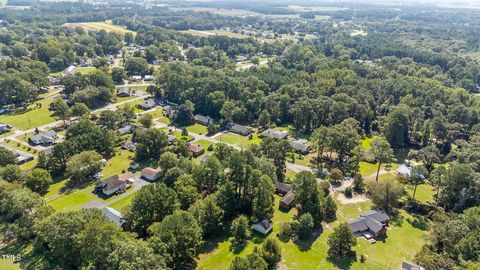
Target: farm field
[[89, 26], [219, 11]]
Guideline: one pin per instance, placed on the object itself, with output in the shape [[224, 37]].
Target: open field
[[213, 32], [85, 70], [96, 26], [402, 237], [33, 117]]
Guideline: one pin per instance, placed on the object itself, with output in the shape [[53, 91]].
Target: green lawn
[[28, 165], [204, 144], [74, 199], [197, 128], [85, 70], [403, 241], [231, 138], [425, 193], [120, 204], [368, 169], [32, 118], [255, 140], [22, 147], [8, 265], [366, 141]]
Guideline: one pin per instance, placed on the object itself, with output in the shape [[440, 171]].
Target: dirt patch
[[355, 199]]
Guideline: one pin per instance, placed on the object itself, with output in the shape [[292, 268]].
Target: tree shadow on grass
[[396, 219], [418, 222], [29, 257], [343, 262], [306, 244], [213, 243]]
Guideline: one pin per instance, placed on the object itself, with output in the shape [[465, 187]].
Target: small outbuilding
[[263, 226], [113, 215], [300, 146], [286, 202]]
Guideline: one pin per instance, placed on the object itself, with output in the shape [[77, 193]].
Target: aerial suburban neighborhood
[[239, 135]]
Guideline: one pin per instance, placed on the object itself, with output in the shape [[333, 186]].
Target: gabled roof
[[378, 215], [239, 128], [196, 148], [274, 134], [411, 266], [113, 182], [126, 176], [265, 224], [149, 171], [171, 139], [203, 119], [299, 145], [283, 187], [288, 198], [113, 215], [357, 225]]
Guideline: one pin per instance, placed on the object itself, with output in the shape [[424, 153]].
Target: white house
[[150, 174]]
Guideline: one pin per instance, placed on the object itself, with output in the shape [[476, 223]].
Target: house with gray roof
[[263, 226], [203, 120], [411, 266], [370, 224], [274, 134], [239, 129], [147, 104], [113, 215], [124, 91], [44, 138], [300, 146]]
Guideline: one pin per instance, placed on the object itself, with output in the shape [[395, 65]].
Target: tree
[[109, 119], [127, 112], [264, 119], [271, 252], [277, 151], [186, 191], [62, 110], [118, 75], [136, 66], [382, 151], [308, 196], [151, 143], [134, 254], [459, 185], [12, 173], [80, 109], [397, 127], [417, 177], [185, 114], [385, 194], [146, 120], [341, 241], [320, 140], [7, 157], [240, 230], [152, 204], [38, 180], [263, 200], [180, 237], [304, 226], [429, 155], [81, 167], [329, 207], [209, 215], [251, 261]]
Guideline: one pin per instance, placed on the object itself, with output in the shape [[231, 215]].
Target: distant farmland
[[96, 26]]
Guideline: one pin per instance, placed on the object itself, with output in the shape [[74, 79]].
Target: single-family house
[[70, 70], [4, 128], [300, 146], [282, 188], [147, 104], [111, 185], [113, 215], [135, 78], [370, 224], [129, 145], [24, 158], [286, 202], [239, 129], [203, 120], [411, 266], [124, 91], [128, 128], [150, 174], [148, 78], [274, 134], [195, 149], [169, 111], [44, 138], [263, 226]]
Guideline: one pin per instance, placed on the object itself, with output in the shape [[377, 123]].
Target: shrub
[[348, 192], [303, 227], [285, 232]]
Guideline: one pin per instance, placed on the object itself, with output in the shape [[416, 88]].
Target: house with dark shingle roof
[[282, 188], [370, 224], [203, 120], [287, 201], [239, 129], [274, 134], [263, 226], [147, 104], [124, 91]]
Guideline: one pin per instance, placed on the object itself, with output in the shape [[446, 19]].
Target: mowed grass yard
[[197, 128], [33, 117], [120, 204], [402, 242], [72, 199]]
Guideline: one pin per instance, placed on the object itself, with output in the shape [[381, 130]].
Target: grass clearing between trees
[[33, 117]]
